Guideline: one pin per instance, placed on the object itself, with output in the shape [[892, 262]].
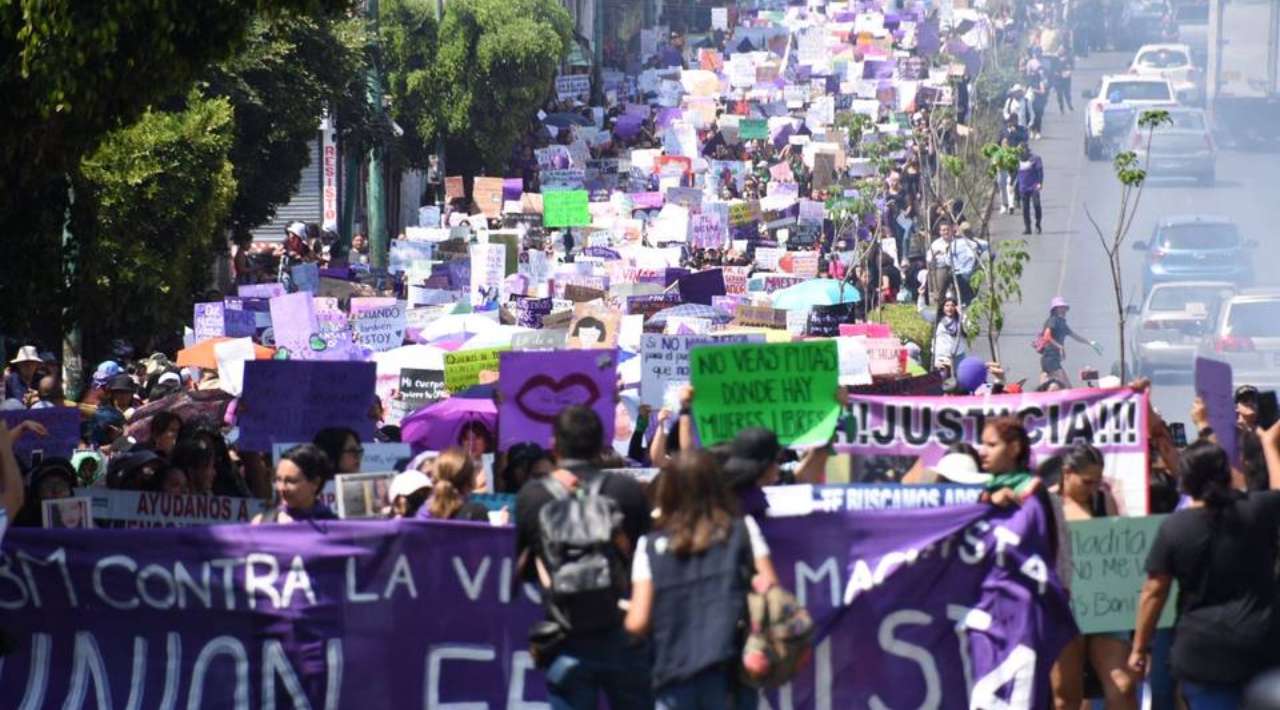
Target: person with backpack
[[576, 531], [690, 580], [1052, 343]]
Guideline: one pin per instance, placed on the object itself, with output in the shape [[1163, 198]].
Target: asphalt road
[[1068, 259]]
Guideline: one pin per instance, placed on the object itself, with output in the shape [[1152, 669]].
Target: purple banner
[[958, 605], [702, 286], [536, 386], [61, 423], [290, 400]]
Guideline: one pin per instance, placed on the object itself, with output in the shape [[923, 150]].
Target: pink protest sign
[[870, 330], [536, 386]]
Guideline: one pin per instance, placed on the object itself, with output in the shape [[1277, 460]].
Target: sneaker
[[1037, 229], [1026, 231]]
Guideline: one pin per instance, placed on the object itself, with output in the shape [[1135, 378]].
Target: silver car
[[1172, 321], [1181, 148], [1246, 335]]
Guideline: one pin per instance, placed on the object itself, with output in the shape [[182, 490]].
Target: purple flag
[[536, 386], [951, 607]]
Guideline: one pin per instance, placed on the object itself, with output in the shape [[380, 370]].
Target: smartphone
[[1267, 411], [1178, 431], [37, 457]]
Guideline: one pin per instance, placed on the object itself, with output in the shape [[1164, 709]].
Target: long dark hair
[[332, 440], [1011, 430], [696, 507], [1205, 473]]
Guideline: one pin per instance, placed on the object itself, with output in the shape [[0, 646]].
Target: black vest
[[699, 603]]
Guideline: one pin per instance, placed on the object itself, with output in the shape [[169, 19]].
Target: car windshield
[[1162, 59], [1199, 299], [1200, 236], [1138, 91], [1185, 121], [1254, 319]]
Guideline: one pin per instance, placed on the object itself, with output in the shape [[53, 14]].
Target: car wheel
[[1092, 149]]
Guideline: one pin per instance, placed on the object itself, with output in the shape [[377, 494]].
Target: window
[[1176, 298], [1163, 59], [1185, 121], [1200, 236], [1254, 319], [1138, 91]]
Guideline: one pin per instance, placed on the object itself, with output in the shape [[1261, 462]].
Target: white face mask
[[1024, 164]]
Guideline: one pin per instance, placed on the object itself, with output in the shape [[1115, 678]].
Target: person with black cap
[[757, 459]]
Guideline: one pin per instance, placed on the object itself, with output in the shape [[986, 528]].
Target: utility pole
[[72, 367], [376, 192]]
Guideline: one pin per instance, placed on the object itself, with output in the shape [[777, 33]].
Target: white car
[[1112, 108], [1173, 62], [1246, 335], [1175, 317]]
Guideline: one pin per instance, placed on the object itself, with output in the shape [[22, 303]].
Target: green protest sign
[[565, 208], [1109, 561], [462, 369], [789, 388], [753, 129]]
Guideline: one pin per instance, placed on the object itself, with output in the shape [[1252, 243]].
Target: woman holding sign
[[1222, 551]]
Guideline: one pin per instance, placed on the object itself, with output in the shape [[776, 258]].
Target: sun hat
[[960, 468], [26, 353], [297, 229], [407, 483], [1059, 302]]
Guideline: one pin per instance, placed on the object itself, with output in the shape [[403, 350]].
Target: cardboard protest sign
[[707, 231], [593, 327], [665, 361], [408, 256], [379, 323], [113, 508], [530, 311], [291, 400], [454, 188], [870, 330], [574, 86], [306, 277], [486, 192], [462, 368], [537, 386], [566, 208], [789, 388], [855, 364], [888, 356], [488, 271], [62, 423], [363, 496], [231, 355], [209, 320], [293, 323], [237, 321], [753, 129], [1108, 567], [824, 321], [761, 316]]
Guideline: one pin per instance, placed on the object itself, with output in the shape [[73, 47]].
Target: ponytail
[[454, 478]]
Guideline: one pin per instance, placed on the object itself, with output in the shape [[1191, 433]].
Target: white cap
[[960, 468], [407, 483], [297, 229]]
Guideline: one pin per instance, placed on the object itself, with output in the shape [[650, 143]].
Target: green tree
[[408, 29], [1132, 174], [74, 72], [495, 66], [291, 69], [151, 201]]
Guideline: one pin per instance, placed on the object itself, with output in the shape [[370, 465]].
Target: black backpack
[[588, 574]]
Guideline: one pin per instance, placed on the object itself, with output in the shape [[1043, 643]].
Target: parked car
[[1113, 106], [1171, 322], [1183, 147], [1246, 335], [1197, 247], [1175, 63]]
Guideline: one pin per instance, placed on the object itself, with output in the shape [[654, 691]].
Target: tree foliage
[[152, 198], [495, 66], [408, 33]]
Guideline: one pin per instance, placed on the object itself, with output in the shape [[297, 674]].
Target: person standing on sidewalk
[[1014, 136], [1029, 180], [1063, 64]]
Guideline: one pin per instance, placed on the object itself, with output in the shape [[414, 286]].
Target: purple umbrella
[[439, 426]]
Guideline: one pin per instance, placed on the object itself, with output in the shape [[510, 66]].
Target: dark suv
[[1197, 247]]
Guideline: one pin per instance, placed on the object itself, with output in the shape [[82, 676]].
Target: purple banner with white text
[[958, 606]]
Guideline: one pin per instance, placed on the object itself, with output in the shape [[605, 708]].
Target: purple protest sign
[[959, 605], [1213, 381], [209, 320], [646, 200], [530, 311], [1115, 421], [290, 400], [512, 189], [702, 286], [62, 423], [293, 323], [237, 321], [268, 290], [536, 386]]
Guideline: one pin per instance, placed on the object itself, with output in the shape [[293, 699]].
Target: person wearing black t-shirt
[[1221, 550]]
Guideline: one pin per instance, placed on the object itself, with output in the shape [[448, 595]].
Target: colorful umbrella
[[439, 426], [202, 355], [186, 404], [689, 310], [815, 292]]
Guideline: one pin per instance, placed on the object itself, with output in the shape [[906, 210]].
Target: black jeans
[[1025, 201], [1062, 88]]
